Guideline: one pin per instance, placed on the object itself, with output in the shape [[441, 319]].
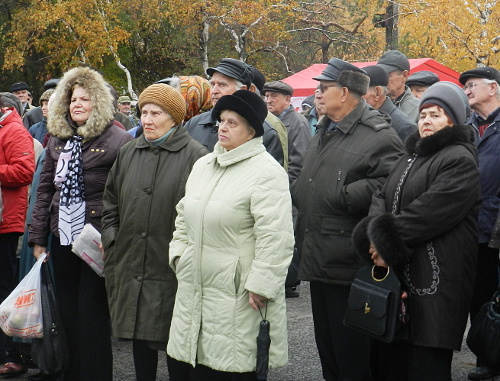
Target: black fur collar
[[437, 141]]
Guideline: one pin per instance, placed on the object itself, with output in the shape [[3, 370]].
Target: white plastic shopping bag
[[21, 312], [87, 247]]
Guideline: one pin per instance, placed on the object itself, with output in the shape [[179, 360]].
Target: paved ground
[[304, 364]]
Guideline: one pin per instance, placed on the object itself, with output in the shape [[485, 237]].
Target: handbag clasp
[[367, 309]]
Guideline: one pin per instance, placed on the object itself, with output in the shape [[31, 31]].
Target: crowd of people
[[215, 198]]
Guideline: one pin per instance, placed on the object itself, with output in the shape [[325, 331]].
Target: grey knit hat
[[451, 98], [10, 100]]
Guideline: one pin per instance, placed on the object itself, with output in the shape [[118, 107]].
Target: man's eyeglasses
[[322, 87], [471, 85]]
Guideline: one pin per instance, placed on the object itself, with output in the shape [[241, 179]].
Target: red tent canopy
[[304, 84]]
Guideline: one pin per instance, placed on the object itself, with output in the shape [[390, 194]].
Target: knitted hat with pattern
[[46, 95], [165, 96]]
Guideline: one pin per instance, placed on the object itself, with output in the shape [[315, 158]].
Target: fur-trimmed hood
[[440, 139], [102, 114]]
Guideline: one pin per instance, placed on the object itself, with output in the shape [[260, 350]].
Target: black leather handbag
[[483, 338], [375, 306]]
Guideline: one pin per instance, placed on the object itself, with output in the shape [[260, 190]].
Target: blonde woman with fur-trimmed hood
[[82, 148]]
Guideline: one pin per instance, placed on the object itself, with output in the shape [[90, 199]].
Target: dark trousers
[[344, 353], [486, 280], [292, 277], [145, 360], [85, 314], [405, 362], [8, 281], [181, 371]]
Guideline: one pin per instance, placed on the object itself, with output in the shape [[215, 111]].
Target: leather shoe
[[482, 373], [11, 369]]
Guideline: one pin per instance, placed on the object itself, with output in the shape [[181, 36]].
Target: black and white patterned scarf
[[69, 178]]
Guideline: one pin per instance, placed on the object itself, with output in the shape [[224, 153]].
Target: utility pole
[[389, 21], [391, 26]]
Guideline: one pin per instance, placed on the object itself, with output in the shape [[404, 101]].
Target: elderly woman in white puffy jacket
[[230, 251]]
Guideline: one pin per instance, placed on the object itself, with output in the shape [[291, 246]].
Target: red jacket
[[17, 166]]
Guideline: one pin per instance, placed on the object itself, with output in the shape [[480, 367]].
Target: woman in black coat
[[423, 222]]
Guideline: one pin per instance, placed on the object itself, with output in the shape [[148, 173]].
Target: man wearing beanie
[[376, 97], [398, 67], [481, 85], [227, 77], [347, 160]]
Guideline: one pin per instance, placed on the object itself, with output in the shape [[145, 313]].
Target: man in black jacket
[[347, 160]]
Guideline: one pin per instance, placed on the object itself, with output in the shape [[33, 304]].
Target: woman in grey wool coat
[[144, 186]]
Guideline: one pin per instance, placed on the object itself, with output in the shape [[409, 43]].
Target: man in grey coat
[[278, 94], [378, 99], [398, 67], [347, 160]]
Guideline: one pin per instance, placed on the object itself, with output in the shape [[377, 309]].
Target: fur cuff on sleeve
[[383, 232], [360, 240]]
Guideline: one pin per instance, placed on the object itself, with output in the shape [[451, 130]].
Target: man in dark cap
[[418, 82], [35, 114], [398, 67], [347, 160], [21, 90], [481, 85], [227, 77], [376, 97], [278, 95]]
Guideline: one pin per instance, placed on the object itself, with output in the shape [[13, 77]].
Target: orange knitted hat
[[168, 98]]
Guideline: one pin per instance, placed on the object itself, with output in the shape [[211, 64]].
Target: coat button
[[307, 230], [310, 180], [139, 278], [148, 191], [92, 212], [143, 235]]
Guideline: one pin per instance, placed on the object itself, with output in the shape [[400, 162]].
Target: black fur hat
[[245, 103]]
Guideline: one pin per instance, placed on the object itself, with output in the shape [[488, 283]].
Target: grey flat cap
[[422, 78], [278, 87]]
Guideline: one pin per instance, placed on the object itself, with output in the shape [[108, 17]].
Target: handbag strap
[[385, 275]]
